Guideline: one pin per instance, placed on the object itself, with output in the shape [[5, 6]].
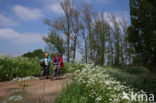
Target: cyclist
[[57, 60], [46, 60]]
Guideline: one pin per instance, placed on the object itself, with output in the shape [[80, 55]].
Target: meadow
[[89, 83], [95, 84], [135, 77]]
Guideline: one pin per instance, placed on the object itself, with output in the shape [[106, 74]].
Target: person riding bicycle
[[57, 60], [46, 62]]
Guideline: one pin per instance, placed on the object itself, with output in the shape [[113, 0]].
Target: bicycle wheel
[[52, 76], [41, 76], [58, 74]]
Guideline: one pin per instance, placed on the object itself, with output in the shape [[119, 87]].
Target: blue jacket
[[49, 59]]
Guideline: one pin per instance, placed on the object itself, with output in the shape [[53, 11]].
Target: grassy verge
[[73, 94], [93, 84], [136, 77]]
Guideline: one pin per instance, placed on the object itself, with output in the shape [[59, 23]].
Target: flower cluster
[[100, 87], [24, 78], [15, 98]]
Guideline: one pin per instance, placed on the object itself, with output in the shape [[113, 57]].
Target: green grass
[[136, 77], [132, 69], [74, 93]]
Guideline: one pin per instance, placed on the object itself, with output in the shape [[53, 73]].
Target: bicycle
[[56, 72], [42, 72]]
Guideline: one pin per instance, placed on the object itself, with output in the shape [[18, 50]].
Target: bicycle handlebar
[[56, 63]]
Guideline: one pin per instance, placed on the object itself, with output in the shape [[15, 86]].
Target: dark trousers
[[46, 69]]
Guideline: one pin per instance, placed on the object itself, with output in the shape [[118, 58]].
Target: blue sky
[[21, 21]]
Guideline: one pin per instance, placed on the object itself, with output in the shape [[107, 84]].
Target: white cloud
[[118, 15], [104, 1], [56, 8], [5, 21], [47, 1], [15, 37], [52, 6], [26, 13], [123, 14]]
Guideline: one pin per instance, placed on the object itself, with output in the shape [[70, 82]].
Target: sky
[[22, 26]]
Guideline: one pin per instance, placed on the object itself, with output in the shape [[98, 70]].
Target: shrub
[[70, 67], [11, 67]]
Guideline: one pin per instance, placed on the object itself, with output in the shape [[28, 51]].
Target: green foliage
[[18, 67], [142, 33], [70, 67], [55, 43], [132, 69], [36, 53], [101, 32], [137, 77]]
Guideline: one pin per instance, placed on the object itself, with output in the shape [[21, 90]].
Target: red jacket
[[60, 61]]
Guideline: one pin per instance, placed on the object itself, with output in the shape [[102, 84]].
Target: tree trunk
[[86, 50], [90, 44], [74, 55], [68, 42]]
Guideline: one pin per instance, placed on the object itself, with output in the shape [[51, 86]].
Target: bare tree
[[117, 36], [87, 13], [76, 28], [128, 50], [101, 32], [67, 8], [85, 49], [100, 41], [110, 50]]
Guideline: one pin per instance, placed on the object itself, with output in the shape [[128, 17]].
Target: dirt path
[[45, 89]]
